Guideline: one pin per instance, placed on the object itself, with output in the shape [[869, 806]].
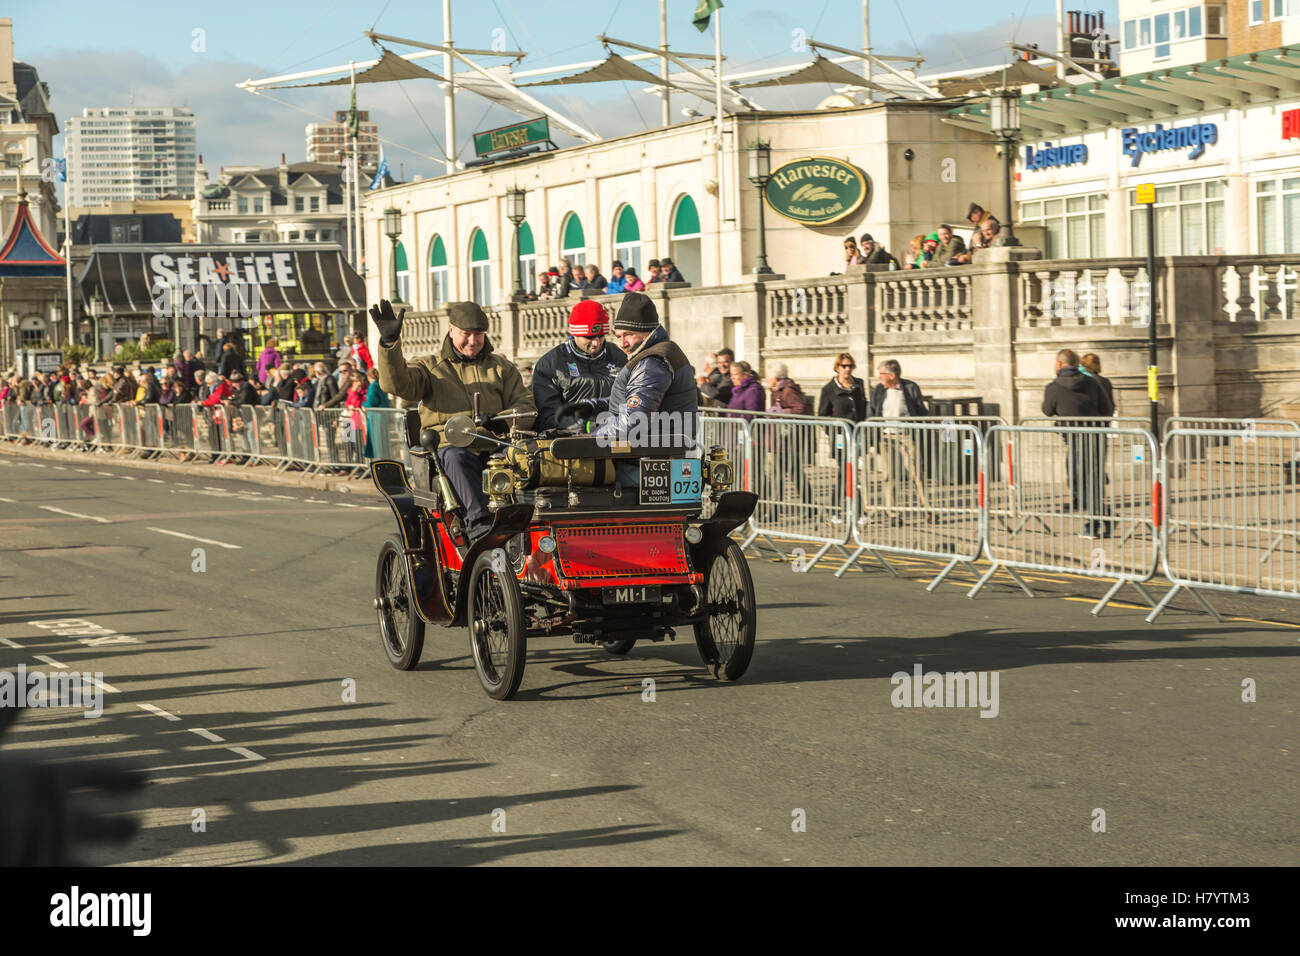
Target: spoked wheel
[[619, 647], [400, 629], [496, 628], [726, 637]]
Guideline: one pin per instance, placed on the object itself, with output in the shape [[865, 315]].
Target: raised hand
[[389, 325]]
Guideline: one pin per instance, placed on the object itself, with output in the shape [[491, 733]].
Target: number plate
[[632, 594], [670, 481]]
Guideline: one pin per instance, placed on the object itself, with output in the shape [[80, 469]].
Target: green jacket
[[444, 386]]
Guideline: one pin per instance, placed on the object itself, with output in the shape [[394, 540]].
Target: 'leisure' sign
[[816, 190]]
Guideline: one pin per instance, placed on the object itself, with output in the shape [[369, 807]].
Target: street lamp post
[[515, 213], [1004, 122], [393, 229], [760, 171]]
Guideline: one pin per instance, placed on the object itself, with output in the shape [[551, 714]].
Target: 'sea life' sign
[[816, 190]]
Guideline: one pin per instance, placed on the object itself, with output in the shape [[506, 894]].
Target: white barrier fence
[[1219, 510], [340, 440]]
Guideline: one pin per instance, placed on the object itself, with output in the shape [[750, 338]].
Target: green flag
[[354, 127], [703, 10]]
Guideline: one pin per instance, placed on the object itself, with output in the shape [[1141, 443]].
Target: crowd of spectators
[[942, 247], [564, 280]]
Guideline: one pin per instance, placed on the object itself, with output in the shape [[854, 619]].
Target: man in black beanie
[[653, 398], [445, 385]]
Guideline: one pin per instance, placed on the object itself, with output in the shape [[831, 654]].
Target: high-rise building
[[121, 153], [329, 142]]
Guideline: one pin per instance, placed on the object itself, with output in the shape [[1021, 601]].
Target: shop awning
[[1266, 76], [296, 277]]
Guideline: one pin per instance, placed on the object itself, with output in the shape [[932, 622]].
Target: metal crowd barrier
[[919, 492], [801, 472], [732, 434], [1072, 500], [1231, 517]]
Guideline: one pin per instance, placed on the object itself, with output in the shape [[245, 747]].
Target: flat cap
[[467, 316]]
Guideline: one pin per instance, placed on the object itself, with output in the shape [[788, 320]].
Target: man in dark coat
[[583, 366], [898, 397], [653, 400], [327, 390], [1073, 393]]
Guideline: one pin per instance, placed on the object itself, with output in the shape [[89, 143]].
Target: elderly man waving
[[445, 385]]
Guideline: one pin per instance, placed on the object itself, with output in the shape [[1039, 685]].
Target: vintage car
[[570, 552]]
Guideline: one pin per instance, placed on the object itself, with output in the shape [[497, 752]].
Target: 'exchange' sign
[[816, 190]]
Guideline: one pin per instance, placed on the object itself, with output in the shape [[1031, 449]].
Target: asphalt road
[[229, 683]]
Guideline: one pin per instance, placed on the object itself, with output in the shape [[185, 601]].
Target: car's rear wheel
[[401, 630], [726, 636], [496, 627]]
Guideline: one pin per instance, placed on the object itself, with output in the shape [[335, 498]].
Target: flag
[[353, 126], [380, 173], [62, 166], [703, 10]]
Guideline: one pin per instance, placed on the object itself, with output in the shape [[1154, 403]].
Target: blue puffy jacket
[[616, 285], [647, 385]]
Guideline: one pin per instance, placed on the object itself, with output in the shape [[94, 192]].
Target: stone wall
[[1228, 328]]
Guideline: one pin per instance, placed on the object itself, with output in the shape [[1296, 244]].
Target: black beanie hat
[[636, 313]]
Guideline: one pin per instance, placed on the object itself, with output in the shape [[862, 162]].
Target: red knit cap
[[588, 318]]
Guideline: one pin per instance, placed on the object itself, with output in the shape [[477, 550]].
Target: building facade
[[27, 131], [330, 142], [123, 153], [292, 202], [671, 192]]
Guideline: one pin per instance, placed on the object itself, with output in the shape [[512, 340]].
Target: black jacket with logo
[[566, 374]]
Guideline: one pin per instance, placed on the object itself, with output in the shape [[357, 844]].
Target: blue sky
[[97, 53]]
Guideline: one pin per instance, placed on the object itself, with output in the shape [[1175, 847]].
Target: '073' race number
[[668, 481]]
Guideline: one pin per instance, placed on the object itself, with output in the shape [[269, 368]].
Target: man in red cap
[[583, 366]]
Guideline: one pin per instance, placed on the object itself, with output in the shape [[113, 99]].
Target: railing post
[[996, 311], [861, 308], [1190, 296]]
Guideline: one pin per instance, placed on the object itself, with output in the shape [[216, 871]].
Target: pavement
[[248, 678]]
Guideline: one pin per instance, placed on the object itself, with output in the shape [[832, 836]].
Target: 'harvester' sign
[[816, 190]]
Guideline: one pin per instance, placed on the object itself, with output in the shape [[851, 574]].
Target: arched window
[[627, 239], [573, 242], [684, 240], [527, 264], [403, 274], [438, 272], [480, 269]]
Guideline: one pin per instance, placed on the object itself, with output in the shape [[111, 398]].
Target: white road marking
[[156, 481], [346, 504], [106, 474], [51, 661], [74, 514], [184, 484], [245, 756], [126, 477], [9, 501], [8, 643], [206, 735], [84, 471], [285, 497], [59, 468], [154, 709], [315, 501], [191, 537], [102, 685]]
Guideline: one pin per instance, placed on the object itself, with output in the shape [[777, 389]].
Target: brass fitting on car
[[719, 474]]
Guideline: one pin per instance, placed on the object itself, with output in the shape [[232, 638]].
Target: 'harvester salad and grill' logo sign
[[1194, 137], [215, 286], [816, 190]]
